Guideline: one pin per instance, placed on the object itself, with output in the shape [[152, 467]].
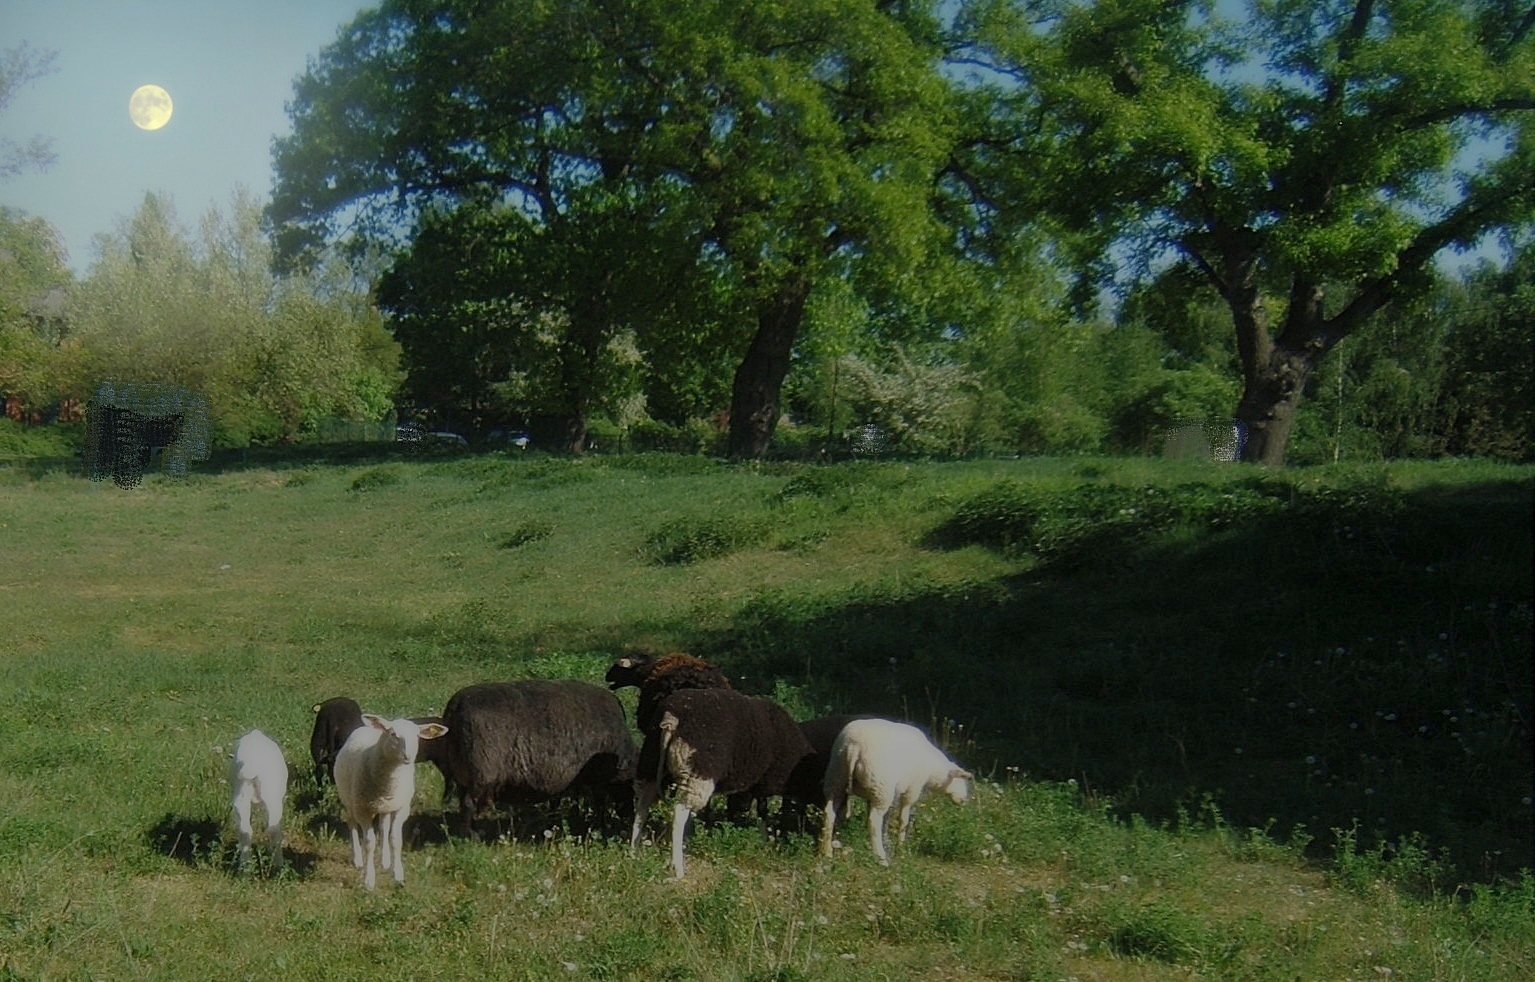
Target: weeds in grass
[[690, 540], [375, 479], [531, 530]]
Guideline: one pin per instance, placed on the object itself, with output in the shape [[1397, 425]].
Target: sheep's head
[[958, 788], [400, 739], [630, 669]]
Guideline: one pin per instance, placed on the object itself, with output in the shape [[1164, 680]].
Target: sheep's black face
[[627, 671]]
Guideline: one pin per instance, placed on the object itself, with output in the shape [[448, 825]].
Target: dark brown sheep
[[536, 740], [657, 678], [716, 741]]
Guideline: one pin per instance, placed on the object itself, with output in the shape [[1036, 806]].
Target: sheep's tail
[[667, 729], [848, 760]]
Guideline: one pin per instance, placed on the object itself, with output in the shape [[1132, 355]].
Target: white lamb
[[258, 775], [886, 764], [376, 779]]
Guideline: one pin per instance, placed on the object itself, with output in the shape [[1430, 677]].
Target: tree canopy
[[765, 147], [576, 195], [1319, 151]]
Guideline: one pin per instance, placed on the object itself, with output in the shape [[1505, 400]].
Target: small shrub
[[1407, 863], [691, 540], [375, 479]]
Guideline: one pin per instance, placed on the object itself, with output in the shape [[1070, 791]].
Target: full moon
[[150, 107]]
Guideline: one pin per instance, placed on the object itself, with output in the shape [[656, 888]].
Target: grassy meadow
[[1230, 723]]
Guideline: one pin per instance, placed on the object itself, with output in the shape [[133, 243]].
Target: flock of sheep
[[539, 740]]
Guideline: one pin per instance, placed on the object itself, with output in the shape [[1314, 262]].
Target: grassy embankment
[[1232, 724]]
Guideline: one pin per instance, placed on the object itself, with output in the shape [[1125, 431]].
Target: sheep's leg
[[241, 806], [680, 815], [834, 805], [274, 829], [693, 796], [356, 844], [877, 831], [369, 842], [397, 843], [645, 795], [905, 822], [385, 840], [466, 814], [274, 836]]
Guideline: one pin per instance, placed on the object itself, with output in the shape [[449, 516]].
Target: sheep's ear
[[315, 708], [377, 722], [626, 663], [432, 731], [960, 772]]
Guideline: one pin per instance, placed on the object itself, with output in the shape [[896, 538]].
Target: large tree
[[1310, 158], [784, 141]]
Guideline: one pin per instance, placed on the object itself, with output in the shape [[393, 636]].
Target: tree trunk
[[1270, 398], [1275, 372], [758, 386]]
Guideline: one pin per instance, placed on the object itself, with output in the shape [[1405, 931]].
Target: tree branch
[[1472, 217]]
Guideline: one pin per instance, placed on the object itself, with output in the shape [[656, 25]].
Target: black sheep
[[717, 741], [334, 721], [657, 678], [535, 740]]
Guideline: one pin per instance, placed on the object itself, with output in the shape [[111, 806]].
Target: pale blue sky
[[229, 66]]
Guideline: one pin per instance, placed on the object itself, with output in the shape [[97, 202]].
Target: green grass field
[[1232, 724]]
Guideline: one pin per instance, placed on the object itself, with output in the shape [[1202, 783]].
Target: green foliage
[[1329, 183], [690, 540], [375, 479], [272, 357], [1098, 522], [1408, 863], [782, 146], [36, 355], [21, 442]]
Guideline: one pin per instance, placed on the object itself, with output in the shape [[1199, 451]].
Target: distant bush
[[375, 479], [57, 440], [842, 484], [691, 540], [1076, 525]]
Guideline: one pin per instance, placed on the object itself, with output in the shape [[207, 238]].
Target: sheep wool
[[535, 740], [716, 741], [334, 721], [258, 775], [888, 765], [376, 779], [659, 677]]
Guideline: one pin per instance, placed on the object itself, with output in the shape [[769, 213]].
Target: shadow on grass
[[1320, 669], [200, 842], [291, 457]]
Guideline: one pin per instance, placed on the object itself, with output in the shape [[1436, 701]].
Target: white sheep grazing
[[376, 779], [887, 764], [258, 775]]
